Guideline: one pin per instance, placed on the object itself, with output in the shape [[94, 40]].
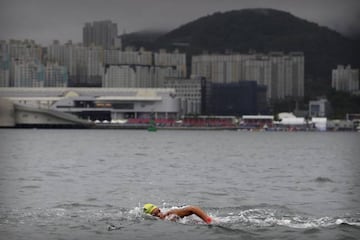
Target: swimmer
[[176, 213]]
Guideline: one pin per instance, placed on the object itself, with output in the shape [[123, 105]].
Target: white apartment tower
[[174, 59], [345, 78], [282, 74], [25, 73], [119, 77], [15, 49], [55, 75], [84, 64], [146, 69], [127, 57]]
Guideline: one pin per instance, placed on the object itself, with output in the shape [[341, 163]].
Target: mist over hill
[[261, 30]]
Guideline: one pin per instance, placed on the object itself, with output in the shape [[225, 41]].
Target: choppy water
[[91, 184]]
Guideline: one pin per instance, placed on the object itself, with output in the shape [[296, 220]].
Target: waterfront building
[[345, 79], [100, 33], [256, 121], [189, 93], [319, 108], [283, 75], [102, 104], [232, 99]]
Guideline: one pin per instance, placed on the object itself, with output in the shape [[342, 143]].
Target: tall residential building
[[55, 75], [100, 33], [283, 75], [24, 49], [119, 77], [4, 77], [84, 64], [128, 57], [4, 71], [25, 73], [149, 69], [175, 59], [345, 78]]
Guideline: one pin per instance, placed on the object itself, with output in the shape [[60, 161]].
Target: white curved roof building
[[100, 103]]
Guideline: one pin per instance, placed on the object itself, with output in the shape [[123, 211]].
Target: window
[[123, 105]]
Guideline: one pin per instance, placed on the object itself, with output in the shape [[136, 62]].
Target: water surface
[[91, 184]]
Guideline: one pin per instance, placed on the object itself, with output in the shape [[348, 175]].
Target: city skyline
[[45, 21]]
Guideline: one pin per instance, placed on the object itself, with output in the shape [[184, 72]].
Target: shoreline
[[173, 128]]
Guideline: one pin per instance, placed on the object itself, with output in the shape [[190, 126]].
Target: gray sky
[[46, 20]]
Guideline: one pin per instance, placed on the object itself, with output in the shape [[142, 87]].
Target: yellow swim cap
[[149, 208]]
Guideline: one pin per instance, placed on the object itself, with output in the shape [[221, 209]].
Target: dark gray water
[[91, 184]]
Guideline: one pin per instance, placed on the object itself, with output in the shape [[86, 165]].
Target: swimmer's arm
[[187, 211]]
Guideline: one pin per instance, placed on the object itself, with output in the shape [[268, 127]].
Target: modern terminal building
[[97, 104], [234, 99]]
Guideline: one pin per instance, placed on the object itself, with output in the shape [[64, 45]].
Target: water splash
[[261, 216], [268, 217]]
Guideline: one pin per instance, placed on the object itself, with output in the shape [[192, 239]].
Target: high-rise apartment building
[[128, 57], [345, 78], [4, 77], [55, 75], [84, 64], [31, 73], [283, 75], [4, 70], [119, 77], [26, 73], [100, 33], [175, 59], [149, 69], [26, 49]]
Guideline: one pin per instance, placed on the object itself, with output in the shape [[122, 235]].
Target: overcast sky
[[46, 20]]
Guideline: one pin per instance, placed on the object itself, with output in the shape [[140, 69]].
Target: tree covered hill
[[264, 30]]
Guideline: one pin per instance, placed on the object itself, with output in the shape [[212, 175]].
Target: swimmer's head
[[149, 208]]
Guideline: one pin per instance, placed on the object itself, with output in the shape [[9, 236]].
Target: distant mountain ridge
[[265, 30]]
